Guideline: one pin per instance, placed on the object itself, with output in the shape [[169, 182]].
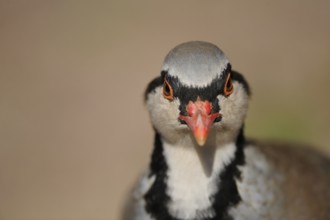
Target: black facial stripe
[[188, 93], [236, 76]]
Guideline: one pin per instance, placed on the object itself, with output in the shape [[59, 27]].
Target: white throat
[[193, 176]]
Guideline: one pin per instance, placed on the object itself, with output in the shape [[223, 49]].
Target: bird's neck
[[193, 182]]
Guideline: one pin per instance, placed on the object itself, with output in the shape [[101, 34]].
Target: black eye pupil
[[166, 89], [229, 84]]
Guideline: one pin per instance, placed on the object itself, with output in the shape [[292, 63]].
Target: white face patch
[[195, 63], [233, 110], [164, 116]]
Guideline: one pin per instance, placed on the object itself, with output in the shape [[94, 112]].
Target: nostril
[[217, 119], [182, 119], [183, 122]]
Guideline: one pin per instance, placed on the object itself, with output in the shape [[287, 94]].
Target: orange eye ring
[[228, 89], [167, 91]]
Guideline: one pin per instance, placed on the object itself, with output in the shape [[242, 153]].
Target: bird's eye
[[228, 89], [167, 90]]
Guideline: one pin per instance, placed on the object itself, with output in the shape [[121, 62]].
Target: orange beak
[[199, 119]]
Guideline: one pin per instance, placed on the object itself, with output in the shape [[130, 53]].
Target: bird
[[203, 168]]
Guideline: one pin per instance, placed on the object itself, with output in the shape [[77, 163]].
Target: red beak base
[[199, 119]]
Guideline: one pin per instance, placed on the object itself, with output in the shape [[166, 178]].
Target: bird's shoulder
[[305, 177], [135, 204], [298, 157]]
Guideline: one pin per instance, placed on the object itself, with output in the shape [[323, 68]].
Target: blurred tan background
[[74, 133]]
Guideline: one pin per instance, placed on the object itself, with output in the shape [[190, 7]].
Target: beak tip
[[201, 142]]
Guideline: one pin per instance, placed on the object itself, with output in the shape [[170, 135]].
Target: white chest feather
[[193, 180]]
